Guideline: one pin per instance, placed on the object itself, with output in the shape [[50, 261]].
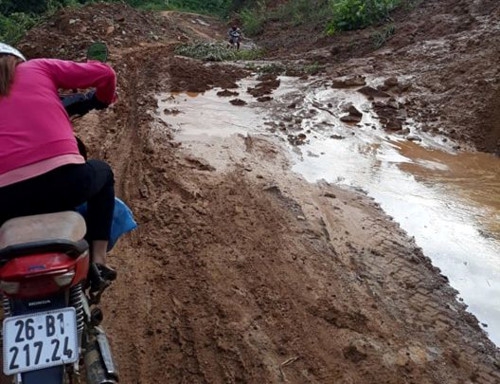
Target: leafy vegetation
[[298, 12], [293, 13], [329, 15], [356, 14], [381, 37], [12, 28], [216, 52], [35, 7], [17, 16]]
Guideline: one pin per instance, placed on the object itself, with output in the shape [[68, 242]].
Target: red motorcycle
[[51, 328]]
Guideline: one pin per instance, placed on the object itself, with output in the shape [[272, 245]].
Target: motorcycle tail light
[[64, 279], [40, 275], [9, 287]]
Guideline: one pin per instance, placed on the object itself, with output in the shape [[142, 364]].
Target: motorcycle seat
[[51, 232]]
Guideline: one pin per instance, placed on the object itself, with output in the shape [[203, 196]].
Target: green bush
[[206, 51], [16, 17], [253, 19], [34, 7], [14, 27], [356, 14]]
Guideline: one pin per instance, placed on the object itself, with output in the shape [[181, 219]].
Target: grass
[[217, 52], [380, 38]]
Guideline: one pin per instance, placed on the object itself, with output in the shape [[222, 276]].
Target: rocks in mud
[[390, 113], [350, 119], [299, 139], [353, 354], [330, 195], [413, 138], [268, 83], [272, 188], [173, 111], [295, 103], [198, 163], [392, 124], [391, 82], [264, 99], [227, 93], [353, 116], [350, 81], [373, 92], [238, 102]]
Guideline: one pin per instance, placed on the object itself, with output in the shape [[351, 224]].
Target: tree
[[33, 7], [8, 7]]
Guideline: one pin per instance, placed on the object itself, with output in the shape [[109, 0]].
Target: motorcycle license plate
[[39, 340]]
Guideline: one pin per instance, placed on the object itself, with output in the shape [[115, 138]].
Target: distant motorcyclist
[[234, 35], [41, 169]]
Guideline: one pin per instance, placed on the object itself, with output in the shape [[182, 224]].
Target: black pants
[[62, 189]]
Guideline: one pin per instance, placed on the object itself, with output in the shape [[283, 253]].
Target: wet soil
[[447, 51], [252, 275]]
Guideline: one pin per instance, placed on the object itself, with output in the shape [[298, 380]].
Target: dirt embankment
[[251, 276]]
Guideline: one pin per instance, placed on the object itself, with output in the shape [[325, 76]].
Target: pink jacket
[[34, 127]]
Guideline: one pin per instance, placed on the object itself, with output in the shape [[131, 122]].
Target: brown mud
[[253, 276]]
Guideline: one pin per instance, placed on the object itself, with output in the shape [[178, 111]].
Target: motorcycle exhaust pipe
[[99, 365]]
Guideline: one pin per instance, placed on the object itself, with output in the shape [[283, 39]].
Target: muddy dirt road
[[250, 274]]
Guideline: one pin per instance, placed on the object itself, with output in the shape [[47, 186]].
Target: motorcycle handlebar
[[81, 103]]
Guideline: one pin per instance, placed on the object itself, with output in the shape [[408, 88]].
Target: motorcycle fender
[[53, 375]]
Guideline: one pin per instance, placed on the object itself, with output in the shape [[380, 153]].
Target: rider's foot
[[98, 286], [101, 277], [107, 273]]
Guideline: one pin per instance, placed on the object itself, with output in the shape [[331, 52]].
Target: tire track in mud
[[127, 147], [131, 153], [197, 350], [123, 146]]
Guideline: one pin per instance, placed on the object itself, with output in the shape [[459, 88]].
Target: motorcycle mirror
[[97, 51]]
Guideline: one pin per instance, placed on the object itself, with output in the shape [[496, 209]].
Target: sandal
[[100, 278], [107, 273]]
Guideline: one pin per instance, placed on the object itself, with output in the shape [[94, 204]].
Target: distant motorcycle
[[234, 37], [51, 326]]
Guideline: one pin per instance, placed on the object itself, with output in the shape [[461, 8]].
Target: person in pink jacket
[[41, 169]]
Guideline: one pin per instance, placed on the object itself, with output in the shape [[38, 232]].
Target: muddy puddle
[[449, 201]]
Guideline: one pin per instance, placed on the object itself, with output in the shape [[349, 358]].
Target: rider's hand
[[96, 104]]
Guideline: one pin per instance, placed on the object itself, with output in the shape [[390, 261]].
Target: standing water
[[450, 202]]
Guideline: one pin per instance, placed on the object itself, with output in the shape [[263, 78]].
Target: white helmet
[[7, 49]]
